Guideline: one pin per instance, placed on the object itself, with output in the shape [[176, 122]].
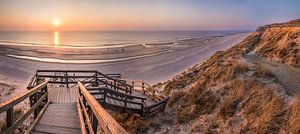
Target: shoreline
[[166, 65]]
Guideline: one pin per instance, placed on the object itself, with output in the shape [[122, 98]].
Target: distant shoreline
[[152, 64]]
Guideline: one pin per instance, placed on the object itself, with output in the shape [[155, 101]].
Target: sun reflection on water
[[55, 38]]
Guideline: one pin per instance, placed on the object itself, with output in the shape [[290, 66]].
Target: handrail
[[14, 101], [98, 114], [147, 89], [118, 93], [93, 78], [117, 86], [36, 99], [31, 82], [95, 75], [116, 80]]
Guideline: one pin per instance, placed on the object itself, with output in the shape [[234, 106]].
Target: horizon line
[[124, 30]]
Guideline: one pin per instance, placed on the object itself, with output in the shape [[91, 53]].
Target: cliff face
[[251, 88], [279, 43]]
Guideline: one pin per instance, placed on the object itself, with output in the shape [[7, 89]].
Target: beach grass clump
[[175, 97], [18, 112], [173, 85], [196, 105], [264, 108], [135, 124], [293, 116], [229, 107], [236, 92], [185, 114], [2, 126], [263, 72], [207, 102]]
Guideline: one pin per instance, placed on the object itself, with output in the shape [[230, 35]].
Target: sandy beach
[[150, 62]]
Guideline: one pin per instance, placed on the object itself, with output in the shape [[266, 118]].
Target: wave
[[29, 44], [56, 60]]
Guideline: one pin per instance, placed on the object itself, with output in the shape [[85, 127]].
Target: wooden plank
[[107, 122], [61, 115], [12, 128], [60, 122], [63, 94], [69, 71], [56, 129], [88, 122], [16, 100], [30, 128], [81, 120]]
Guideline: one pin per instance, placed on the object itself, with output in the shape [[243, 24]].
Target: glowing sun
[[56, 22]]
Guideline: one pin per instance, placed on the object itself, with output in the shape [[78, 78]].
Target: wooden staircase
[[64, 101]]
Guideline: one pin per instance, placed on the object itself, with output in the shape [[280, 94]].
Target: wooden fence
[[38, 100]]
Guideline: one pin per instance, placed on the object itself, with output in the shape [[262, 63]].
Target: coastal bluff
[[253, 87]]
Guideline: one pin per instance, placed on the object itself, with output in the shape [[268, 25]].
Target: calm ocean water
[[100, 39]]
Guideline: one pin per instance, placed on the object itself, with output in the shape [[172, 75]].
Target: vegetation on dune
[[134, 123], [18, 112], [293, 116], [241, 93], [229, 93]]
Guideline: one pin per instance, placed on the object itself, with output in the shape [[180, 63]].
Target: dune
[[252, 87]]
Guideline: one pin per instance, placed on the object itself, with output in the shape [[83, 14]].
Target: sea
[[158, 60], [101, 38]]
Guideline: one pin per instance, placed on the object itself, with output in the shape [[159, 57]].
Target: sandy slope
[[288, 76]]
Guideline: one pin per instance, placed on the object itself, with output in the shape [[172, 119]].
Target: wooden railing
[[147, 89], [70, 77], [91, 113], [38, 102], [109, 81], [123, 98], [160, 99]]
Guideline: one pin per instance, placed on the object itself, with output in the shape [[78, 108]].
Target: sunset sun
[[56, 22]]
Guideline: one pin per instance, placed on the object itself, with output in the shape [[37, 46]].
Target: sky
[[144, 15]]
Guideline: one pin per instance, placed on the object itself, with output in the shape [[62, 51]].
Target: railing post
[[94, 123], [115, 85], [96, 78], [143, 87], [142, 110], [67, 81], [104, 96], [125, 105], [45, 91], [132, 83], [9, 117]]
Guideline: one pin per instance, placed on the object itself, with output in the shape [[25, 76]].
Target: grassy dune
[[240, 90]]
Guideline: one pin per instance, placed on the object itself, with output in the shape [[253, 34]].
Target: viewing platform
[[65, 101]]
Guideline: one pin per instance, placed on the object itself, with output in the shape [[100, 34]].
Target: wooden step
[[59, 118], [42, 129]]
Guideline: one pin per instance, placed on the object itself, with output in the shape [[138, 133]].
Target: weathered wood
[[16, 100], [82, 125], [36, 106], [123, 95], [86, 115], [107, 122], [37, 119], [63, 94], [119, 95], [62, 116], [55, 130], [12, 128]]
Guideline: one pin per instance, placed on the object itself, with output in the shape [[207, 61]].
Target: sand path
[[288, 76]]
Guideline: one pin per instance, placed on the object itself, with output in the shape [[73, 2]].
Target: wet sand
[[150, 62]]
